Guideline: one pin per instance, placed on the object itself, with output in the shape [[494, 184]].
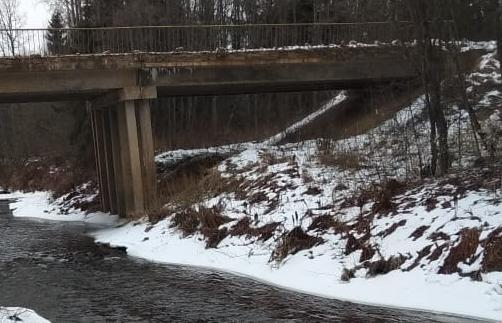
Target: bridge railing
[[57, 42]]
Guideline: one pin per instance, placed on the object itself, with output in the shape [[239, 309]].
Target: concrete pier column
[[132, 180], [124, 148], [145, 136], [100, 155], [110, 171], [116, 159]]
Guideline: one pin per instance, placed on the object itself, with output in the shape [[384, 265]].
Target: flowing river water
[[57, 270]]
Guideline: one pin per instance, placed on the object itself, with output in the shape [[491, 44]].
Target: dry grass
[[348, 274], [384, 266], [192, 181], [384, 194], [421, 255], [243, 228], [492, 260], [204, 220], [324, 223], [342, 160], [462, 252], [367, 252], [270, 159], [45, 174], [390, 230], [419, 232], [381, 194], [293, 242]]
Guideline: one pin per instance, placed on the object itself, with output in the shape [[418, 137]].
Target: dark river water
[[55, 269]]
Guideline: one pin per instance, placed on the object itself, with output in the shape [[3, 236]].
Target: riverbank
[[40, 205], [412, 252], [17, 314], [88, 282], [337, 266]]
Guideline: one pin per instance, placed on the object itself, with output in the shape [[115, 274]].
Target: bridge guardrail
[[162, 39]]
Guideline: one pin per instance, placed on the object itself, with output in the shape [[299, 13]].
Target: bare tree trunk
[[431, 78]]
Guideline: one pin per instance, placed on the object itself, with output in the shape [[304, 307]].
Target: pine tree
[[56, 37]]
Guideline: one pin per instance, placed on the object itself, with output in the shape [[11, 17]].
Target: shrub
[[293, 242], [465, 249], [492, 260]]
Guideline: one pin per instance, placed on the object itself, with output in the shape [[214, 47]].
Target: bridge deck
[[69, 77]]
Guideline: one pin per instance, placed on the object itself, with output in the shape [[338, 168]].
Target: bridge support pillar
[[147, 153], [125, 152]]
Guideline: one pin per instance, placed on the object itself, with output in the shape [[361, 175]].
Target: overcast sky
[[36, 13]]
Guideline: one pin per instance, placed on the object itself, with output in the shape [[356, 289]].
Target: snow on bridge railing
[[163, 39]]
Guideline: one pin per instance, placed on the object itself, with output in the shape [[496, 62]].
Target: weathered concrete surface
[[89, 76]]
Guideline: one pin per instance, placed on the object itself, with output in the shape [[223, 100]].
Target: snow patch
[[18, 314], [38, 205]]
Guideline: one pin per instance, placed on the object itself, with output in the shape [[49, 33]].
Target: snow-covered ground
[[319, 270], [39, 205], [17, 314], [342, 219]]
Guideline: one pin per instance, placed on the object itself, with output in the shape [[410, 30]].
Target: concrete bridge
[[118, 88]]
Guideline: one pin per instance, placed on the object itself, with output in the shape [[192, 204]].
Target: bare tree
[[10, 20], [430, 60]]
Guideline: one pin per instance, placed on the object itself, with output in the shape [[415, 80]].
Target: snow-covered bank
[[17, 314], [414, 283], [38, 205], [317, 272]]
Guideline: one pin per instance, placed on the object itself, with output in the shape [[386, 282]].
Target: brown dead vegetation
[[367, 252], [384, 266], [270, 159], [313, 191], [438, 252], [243, 228], [326, 222], [188, 182], [419, 232], [57, 176], [390, 230], [384, 195], [381, 194], [439, 235], [293, 242], [462, 252], [61, 177], [342, 160], [205, 220], [421, 255], [354, 244], [492, 260]]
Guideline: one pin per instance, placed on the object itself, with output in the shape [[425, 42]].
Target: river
[[58, 270]]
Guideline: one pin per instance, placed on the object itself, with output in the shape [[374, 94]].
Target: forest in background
[[475, 18]]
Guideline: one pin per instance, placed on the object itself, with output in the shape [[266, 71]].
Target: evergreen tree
[[56, 37]]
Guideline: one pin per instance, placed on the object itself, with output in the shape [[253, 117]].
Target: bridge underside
[[118, 89]]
